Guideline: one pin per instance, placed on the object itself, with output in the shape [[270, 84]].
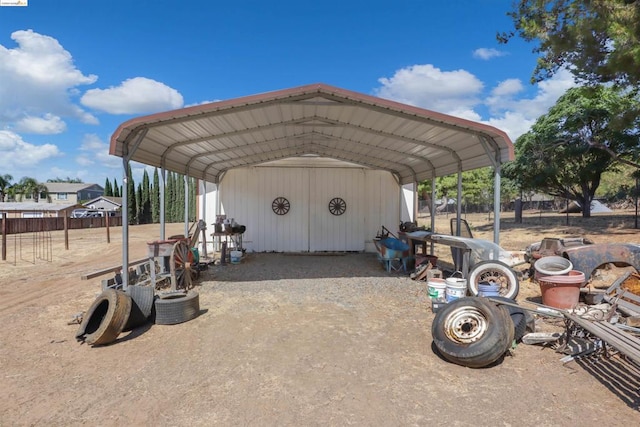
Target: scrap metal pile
[[597, 318]]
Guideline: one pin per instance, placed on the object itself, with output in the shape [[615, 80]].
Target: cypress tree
[[116, 188], [169, 198], [155, 197], [139, 205], [145, 198], [131, 198], [108, 191]]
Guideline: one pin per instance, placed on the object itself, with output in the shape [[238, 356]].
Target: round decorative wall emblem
[[337, 206], [280, 206]]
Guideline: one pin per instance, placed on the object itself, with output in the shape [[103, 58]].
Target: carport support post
[[163, 175], [459, 203], [186, 206], [125, 224], [433, 211], [496, 205]]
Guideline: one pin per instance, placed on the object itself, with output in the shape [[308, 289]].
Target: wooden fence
[[28, 225]]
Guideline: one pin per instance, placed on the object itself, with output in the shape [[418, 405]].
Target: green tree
[[139, 218], [67, 180], [30, 186], [145, 199], [155, 197], [117, 191], [598, 40], [108, 191], [5, 184], [558, 156], [131, 199]]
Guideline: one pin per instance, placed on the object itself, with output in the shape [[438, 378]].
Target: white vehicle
[[91, 213]]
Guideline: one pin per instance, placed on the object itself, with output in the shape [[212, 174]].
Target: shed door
[[335, 228]]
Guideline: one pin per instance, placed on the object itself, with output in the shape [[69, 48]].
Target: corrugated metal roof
[[414, 144]]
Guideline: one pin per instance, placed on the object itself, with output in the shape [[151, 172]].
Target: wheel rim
[[183, 259], [496, 277], [465, 325]]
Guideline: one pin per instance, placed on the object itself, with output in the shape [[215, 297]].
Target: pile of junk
[[589, 306]]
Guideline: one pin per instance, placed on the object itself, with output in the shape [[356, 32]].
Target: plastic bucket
[[456, 288], [552, 266], [488, 289], [436, 288], [562, 291], [236, 256]]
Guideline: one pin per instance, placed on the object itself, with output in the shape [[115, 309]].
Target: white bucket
[[552, 266], [436, 288], [456, 288], [236, 256]]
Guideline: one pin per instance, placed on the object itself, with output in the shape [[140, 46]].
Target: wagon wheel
[[182, 272], [337, 206], [280, 206]]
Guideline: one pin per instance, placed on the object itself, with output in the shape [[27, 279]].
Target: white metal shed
[[316, 121]]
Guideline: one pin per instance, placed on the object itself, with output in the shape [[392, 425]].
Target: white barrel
[[456, 288]]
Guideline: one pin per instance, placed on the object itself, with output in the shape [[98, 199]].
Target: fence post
[[4, 236], [66, 232], [106, 218]]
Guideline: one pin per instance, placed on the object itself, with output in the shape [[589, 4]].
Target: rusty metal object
[[553, 246], [589, 257]]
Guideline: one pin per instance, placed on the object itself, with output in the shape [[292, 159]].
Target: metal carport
[[413, 144]]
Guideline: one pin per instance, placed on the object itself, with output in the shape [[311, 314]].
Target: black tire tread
[[483, 352], [177, 310], [100, 327]]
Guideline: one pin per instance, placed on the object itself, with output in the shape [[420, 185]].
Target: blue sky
[[71, 71]]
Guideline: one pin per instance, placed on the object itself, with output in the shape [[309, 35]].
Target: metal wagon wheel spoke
[[183, 274], [280, 206], [337, 206]]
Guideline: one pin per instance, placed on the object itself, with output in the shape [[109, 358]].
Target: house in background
[[36, 210], [106, 203], [70, 193]]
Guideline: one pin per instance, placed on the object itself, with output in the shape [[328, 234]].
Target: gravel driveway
[[284, 340]]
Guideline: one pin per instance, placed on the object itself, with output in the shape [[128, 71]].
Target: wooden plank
[[114, 269]]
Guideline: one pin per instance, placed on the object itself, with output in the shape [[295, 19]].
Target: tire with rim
[[106, 318], [141, 307], [176, 310], [494, 272], [518, 316], [472, 332]]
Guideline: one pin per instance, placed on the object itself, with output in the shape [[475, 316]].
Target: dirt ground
[[284, 340]]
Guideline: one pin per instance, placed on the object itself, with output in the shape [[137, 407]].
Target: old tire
[[177, 310], [494, 272], [472, 332], [106, 318], [141, 307], [518, 317]]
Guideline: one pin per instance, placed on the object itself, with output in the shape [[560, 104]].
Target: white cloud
[[203, 103], [516, 115], [38, 77], [460, 93], [93, 151], [48, 124], [508, 87], [488, 53], [134, 96], [429, 87], [22, 153]]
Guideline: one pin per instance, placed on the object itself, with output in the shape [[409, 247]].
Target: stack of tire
[[115, 311], [477, 332]]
